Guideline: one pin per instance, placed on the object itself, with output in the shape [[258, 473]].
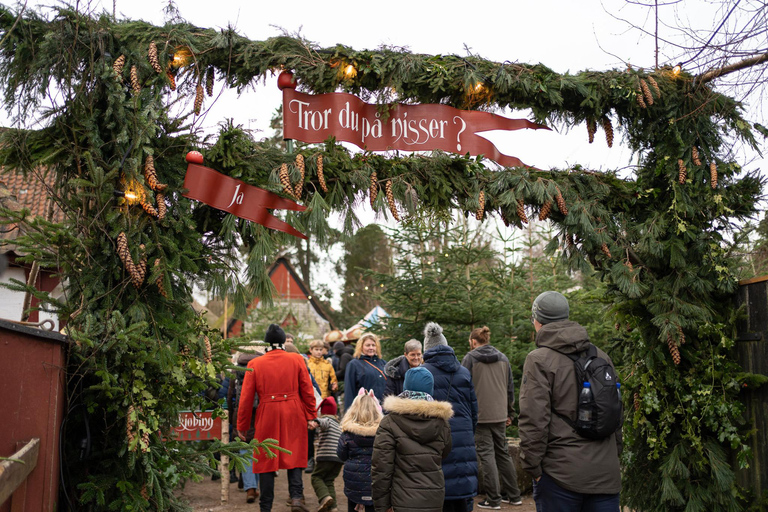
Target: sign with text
[[197, 426], [428, 127], [238, 198]]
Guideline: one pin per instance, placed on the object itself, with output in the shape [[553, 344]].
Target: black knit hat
[[275, 336]]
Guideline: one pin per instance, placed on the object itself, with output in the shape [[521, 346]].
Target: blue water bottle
[[586, 406]]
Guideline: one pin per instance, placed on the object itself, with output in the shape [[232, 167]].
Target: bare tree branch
[[736, 66]]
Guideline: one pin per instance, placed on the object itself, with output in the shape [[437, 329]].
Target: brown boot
[[297, 505], [326, 504], [252, 495]]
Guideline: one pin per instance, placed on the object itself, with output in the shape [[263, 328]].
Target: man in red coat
[[286, 405]]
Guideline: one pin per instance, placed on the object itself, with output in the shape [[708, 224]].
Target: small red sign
[[197, 426], [404, 127]]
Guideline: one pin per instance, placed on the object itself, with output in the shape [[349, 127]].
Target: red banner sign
[[238, 198], [407, 127], [197, 426]]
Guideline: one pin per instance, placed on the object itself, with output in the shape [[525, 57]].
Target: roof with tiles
[[18, 191]]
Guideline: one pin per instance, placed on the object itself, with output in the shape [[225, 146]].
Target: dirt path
[[206, 497]]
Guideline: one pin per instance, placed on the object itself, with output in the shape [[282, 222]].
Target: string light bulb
[[350, 71], [677, 69], [181, 57]]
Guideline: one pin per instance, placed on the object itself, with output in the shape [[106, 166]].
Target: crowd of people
[[425, 432]]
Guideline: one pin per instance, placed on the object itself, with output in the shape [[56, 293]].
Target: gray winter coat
[[547, 442], [411, 442], [494, 387]]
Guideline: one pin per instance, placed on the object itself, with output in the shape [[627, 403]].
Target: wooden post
[[224, 464], [15, 469]]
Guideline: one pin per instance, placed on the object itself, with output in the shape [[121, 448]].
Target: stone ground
[[205, 496]]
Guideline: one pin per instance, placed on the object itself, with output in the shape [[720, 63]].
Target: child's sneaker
[[487, 504], [325, 504]]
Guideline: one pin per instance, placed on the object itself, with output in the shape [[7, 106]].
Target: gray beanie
[[433, 336], [550, 307]]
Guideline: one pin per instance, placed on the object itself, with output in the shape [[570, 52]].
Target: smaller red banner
[[238, 198], [197, 426]]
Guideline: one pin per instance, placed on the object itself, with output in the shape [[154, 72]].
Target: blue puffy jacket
[[364, 372], [453, 383], [356, 449]]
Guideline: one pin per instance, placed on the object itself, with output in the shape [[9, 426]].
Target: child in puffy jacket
[[327, 462], [359, 427]]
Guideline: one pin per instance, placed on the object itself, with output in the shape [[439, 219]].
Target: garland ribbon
[[373, 127], [238, 198]]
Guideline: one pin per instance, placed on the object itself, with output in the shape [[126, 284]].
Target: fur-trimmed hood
[[396, 368], [423, 408], [360, 430]]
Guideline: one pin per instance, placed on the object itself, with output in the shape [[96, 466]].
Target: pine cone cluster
[[695, 155], [561, 203], [391, 199], [117, 67], [150, 175], [159, 281], [153, 60], [608, 128], [373, 189], [302, 172], [199, 95], [209, 80], [646, 92], [481, 208], [673, 349], [171, 80], [544, 212], [591, 129], [682, 172], [285, 180], [208, 351], [521, 211], [135, 84], [713, 174], [604, 248], [655, 86], [320, 174]]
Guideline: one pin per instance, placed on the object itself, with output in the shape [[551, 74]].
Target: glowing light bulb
[[677, 69], [131, 196], [350, 71]]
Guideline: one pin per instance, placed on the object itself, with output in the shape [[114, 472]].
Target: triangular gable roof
[[289, 285]]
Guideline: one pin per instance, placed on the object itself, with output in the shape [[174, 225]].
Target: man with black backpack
[[570, 415]]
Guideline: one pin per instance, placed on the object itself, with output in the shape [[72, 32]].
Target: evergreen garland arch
[[140, 352]]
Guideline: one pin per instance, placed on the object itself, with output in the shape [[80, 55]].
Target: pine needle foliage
[[660, 245]]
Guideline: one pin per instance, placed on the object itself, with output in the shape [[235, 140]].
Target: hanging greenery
[[659, 238]]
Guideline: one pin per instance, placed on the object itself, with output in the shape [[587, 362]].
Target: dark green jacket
[[411, 442], [547, 442]]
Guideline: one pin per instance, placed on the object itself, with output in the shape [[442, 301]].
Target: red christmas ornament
[[195, 157], [285, 80]]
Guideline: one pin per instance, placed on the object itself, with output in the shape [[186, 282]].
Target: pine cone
[[505, 219], [208, 352], [320, 174], [150, 175], [145, 440], [521, 211], [561, 202], [302, 171], [655, 86], [544, 212], [608, 127], [570, 240], [209, 79], [605, 250], [713, 174], [591, 129], [285, 180], [695, 155], [673, 349], [629, 265], [151, 210], [391, 199], [118, 65], [153, 60], [681, 335], [681, 171], [373, 189], [144, 493], [161, 206], [646, 92], [637, 401], [640, 99], [140, 269], [135, 84], [199, 95], [159, 281], [171, 80], [125, 254], [481, 208]]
